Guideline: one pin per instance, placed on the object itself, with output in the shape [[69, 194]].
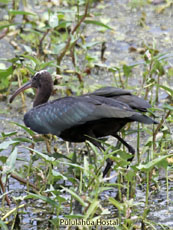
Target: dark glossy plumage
[[75, 119]]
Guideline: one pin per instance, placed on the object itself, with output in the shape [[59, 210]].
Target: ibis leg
[[98, 145], [129, 147], [110, 162], [108, 166]]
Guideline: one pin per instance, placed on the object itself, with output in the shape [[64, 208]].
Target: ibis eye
[[36, 76]]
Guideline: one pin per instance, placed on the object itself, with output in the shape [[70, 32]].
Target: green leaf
[[74, 216], [2, 224], [58, 48], [5, 1], [18, 12], [86, 166], [73, 165], [97, 23], [44, 65], [24, 127], [116, 204], [7, 25], [12, 60], [169, 107], [76, 196], [4, 111], [93, 206], [43, 198], [127, 70], [42, 155], [59, 155], [66, 11], [6, 72], [93, 147], [5, 193], [53, 20], [170, 72], [3, 159], [130, 175], [151, 164], [90, 44], [35, 60], [58, 174], [6, 144], [8, 134], [124, 155], [23, 139], [167, 89], [10, 163], [64, 24]]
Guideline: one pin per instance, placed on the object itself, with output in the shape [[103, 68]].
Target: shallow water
[[127, 33]]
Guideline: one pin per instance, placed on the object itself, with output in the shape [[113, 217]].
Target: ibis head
[[42, 82]]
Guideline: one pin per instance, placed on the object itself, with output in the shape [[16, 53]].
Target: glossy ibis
[[87, 117]]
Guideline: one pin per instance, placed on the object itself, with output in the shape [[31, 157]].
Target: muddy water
[[127, 32]]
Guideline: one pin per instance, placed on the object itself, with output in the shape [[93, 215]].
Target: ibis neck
[[42, 95]]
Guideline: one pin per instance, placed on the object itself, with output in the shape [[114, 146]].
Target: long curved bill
[[21, 89]]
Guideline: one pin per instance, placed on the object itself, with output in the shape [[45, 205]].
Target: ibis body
[[90, 116]]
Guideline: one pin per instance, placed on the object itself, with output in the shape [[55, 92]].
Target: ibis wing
[[124, 96], [110, 91], [59, 115], [134, 102]]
